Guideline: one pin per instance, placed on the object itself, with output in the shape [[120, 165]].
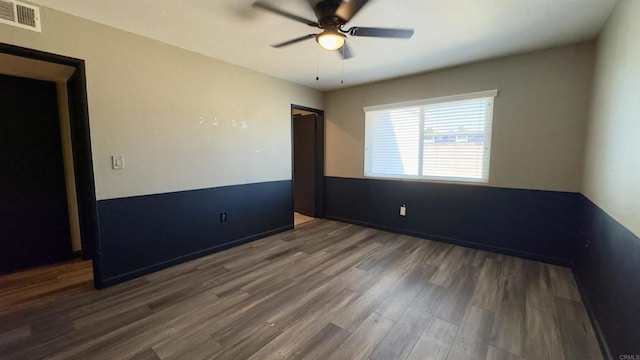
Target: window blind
[[442, 140]]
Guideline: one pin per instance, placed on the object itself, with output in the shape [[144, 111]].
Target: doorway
[[307, 163], [35, 227], [50, 161]]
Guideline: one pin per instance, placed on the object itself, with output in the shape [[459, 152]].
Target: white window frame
[[369, 111]]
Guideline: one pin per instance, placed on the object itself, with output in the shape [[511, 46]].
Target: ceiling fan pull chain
[[342, 69], [318, 66]]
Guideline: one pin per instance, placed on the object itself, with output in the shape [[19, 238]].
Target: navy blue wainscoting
[[142, 234], [608, 274], [540, 225]]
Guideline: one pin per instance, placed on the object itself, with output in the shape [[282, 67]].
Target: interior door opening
[[35, 227], [48, 198], [307, 163]]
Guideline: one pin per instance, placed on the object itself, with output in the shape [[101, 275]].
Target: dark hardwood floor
[[40, 286], [325, 290]]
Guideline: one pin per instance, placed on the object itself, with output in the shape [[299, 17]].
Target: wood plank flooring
[[299, 219], [43, 285], [326, 290]]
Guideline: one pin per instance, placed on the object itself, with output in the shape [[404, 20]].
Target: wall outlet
[[403, 210], [223, 217]]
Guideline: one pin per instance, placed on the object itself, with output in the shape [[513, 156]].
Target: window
[[447, 138]]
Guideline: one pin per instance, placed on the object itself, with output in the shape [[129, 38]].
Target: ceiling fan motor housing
[[326, 13]]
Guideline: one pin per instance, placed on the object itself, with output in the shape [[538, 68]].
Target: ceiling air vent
[[19, 14]]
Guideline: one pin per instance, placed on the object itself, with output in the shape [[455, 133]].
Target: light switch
[[117, 162]]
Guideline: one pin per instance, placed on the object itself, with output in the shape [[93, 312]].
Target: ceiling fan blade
[[381, 32], [345, 52], [293, 41], [349, 8], [265, 6]]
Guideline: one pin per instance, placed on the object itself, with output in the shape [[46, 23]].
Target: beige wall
[[181, 120], [612, 162], [539, 122]]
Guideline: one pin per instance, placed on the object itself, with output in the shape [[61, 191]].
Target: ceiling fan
[[332, 16]]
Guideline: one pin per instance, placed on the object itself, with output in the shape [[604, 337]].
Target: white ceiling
[[447, 32]]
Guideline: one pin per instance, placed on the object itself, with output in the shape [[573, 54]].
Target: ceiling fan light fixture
[[331, 40]]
